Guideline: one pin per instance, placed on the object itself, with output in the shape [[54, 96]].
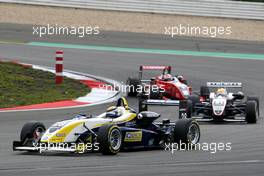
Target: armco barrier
[[210, 8]]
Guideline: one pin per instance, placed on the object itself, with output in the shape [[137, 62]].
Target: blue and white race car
[[120, 127]]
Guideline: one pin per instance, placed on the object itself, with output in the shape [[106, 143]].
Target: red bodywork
[[171, 89]]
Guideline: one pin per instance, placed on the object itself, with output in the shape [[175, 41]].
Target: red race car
[[163, 86]]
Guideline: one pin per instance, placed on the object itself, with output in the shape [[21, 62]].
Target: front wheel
[[31, 133], [110, 139], [204, 92], [187, 131], [256, 99], [251, 112]]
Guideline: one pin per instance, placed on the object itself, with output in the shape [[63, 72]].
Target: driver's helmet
[[221, 91], [167, 77], [241, 93], [180, 78], [113, 112]]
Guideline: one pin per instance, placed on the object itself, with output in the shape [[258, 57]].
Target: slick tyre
[[187, 131], [251, 112], [154, 94], [194, 99], [256, 99], [188, 110], [110, 139], [31, 133], [133, 84], [204, 91]]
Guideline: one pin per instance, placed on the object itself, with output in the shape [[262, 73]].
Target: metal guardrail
[[209, 8]]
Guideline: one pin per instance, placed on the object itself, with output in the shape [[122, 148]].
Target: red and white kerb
[[59, 67]]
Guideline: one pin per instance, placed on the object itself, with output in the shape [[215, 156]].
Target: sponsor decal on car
[[60, 135], [133, 136]]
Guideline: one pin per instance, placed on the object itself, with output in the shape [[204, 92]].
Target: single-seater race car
[[225, 101], [163, 86], [120, 127]]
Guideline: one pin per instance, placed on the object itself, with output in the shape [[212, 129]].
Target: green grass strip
[[152, 51], [25, 86]]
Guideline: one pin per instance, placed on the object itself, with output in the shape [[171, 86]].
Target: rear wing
[[224, 84], [182, 104], [162, 102], [165, 69], [154, 67]]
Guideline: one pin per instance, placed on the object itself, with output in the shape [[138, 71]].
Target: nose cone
[[219, 106], [54, 137], [60, 134]]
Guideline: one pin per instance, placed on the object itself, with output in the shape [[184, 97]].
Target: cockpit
[[114, 112], [119, 113], [221, 92]]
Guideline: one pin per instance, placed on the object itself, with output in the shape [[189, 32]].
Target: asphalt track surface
[[245, 158]]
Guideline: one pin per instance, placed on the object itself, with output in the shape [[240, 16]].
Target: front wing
[[234, 113]]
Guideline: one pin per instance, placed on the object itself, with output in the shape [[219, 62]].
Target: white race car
[[218, 102]]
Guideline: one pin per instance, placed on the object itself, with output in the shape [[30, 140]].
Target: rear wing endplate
[[154, 67]]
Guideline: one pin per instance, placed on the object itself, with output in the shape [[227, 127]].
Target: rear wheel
[[133, 84], [204, 91], [187, 113], [31, 133], [251, 112], [154, 94], [194, 99], [110, 139], [189, 109], [187, 131]]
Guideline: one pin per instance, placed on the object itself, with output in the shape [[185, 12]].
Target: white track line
[[94, 96]]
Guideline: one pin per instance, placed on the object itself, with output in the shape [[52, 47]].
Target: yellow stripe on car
[[63, 133]]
